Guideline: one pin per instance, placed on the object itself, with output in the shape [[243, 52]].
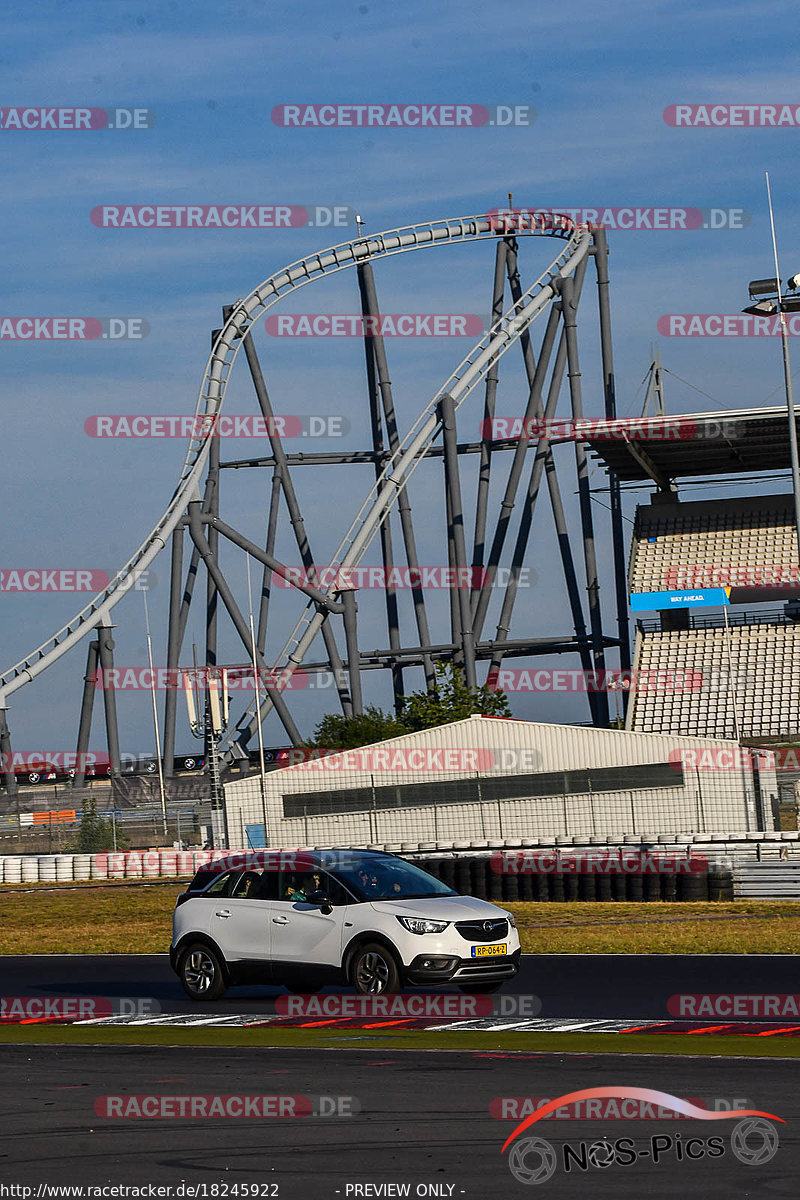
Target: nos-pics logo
[[533, 1160]]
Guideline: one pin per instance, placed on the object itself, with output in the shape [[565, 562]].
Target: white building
[[494, 778]]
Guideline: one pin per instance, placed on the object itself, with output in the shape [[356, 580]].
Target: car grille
[[477, 931]]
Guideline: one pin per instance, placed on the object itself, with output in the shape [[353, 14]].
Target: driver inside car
[[306, 885]]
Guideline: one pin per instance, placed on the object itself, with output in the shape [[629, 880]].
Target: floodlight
[[764, 308], [762, 287]]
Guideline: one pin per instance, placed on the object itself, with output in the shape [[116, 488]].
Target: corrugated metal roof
[[721, 443], [555, 746]]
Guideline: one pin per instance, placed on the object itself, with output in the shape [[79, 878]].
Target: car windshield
[[377, 878]]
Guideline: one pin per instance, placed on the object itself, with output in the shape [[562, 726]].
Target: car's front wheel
[[374, 971], [200, 972]]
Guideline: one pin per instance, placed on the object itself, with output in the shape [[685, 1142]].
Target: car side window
[[221, 886], [337, 894], [247, 886], [268, 886], [294, 886]]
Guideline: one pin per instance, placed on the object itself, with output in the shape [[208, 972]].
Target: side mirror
[[321, 900]]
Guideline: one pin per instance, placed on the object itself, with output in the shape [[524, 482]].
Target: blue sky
[[212, 73]]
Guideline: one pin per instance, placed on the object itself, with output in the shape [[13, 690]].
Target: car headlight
[[512, 920], [419, 925]]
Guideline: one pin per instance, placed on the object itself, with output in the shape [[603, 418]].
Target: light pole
[[773, 301]]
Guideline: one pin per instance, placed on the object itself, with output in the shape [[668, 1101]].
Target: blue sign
[[701, 598], [256, 837]]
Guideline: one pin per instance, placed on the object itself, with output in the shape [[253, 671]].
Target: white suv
[[345, 916]]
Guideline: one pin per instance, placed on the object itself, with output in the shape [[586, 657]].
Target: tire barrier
[[467, 873], [720, 885], [477, 875], [474, 875]]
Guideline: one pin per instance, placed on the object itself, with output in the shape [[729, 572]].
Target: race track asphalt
[[424, 1120], [571, 985]]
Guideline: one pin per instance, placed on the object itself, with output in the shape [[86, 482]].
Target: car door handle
[[280, 920], [223, 912]]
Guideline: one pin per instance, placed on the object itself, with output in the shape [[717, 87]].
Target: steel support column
[[568, 309], [489, 401], [173, 649], [87, 706], [226, 595], [351, 636], [106, 655], [212, 506], [370, 304], [453, 484], [12, 787], [266, 577], [615, 493], [543, 459], [532, 409], [380, 455], [295, 516]]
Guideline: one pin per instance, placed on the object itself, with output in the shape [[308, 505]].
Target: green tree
[[337, 732], [451, 700], [94, 832]]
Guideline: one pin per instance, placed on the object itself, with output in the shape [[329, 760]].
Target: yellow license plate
[[489, 951]]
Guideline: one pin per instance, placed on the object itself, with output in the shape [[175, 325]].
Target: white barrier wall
[[171, 864], [128, 864]]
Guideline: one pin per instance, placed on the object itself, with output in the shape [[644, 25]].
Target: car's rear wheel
[[201, 974], [374, 971], [480, 989]]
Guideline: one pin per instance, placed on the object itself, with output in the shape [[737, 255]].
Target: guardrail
[[767, 881]]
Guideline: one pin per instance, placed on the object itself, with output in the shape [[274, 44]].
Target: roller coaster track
[[398, 469]]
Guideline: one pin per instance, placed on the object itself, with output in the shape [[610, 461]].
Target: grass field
[[130, 919]]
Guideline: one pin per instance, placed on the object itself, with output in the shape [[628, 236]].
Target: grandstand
[[715, 681], [729, 675], [703, 665]]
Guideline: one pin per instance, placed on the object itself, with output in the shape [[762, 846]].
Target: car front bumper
[[449, 968]]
